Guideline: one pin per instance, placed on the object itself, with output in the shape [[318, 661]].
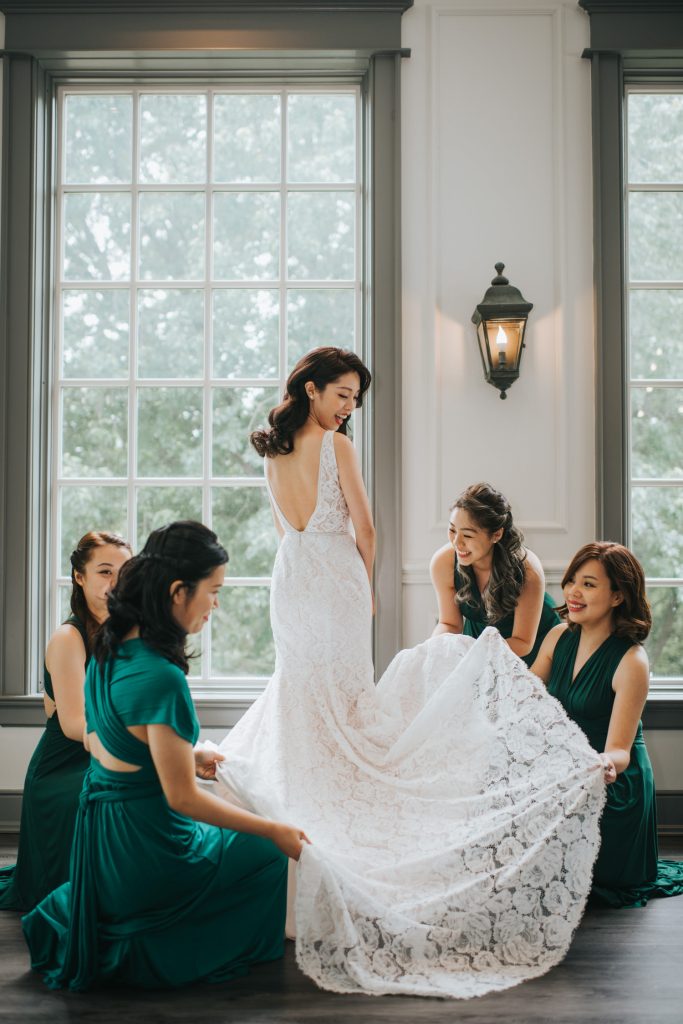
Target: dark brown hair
[[80, 556], [184, 550], [632, 618], [491, 511], [322, 366]]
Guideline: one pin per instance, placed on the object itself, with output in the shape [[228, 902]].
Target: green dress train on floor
[[48, 812], [627, 872], [155, 899], [475, 620]]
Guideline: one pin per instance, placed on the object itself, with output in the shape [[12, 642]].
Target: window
[[206, 238], [654, 320], [92, 49]]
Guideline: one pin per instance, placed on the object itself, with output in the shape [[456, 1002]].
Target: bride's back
[[293, 478]]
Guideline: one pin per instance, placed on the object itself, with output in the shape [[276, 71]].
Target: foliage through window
[[654, 217], [207, 238]]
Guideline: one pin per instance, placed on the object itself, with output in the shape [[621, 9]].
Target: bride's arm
[[352, 485]]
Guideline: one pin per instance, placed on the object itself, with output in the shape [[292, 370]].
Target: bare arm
[[441, 570], [542, 667], [630, 685], [65, 661], [175, 764], [356, 496], [529, 608]]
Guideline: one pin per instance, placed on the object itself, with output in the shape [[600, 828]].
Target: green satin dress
[[627, 872], [48, 812], [155, 899], [475, 620]]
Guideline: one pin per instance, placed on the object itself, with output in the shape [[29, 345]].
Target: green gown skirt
[[156, 900], [53, 784], [627, 872]]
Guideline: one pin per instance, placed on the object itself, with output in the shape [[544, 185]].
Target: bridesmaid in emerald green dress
[[485, 576], [55, 773], [168, 883], [595, 665]]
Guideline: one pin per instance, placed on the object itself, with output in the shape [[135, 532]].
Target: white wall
[[497, 166]]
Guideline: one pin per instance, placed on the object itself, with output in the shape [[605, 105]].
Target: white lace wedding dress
[[453, 809]]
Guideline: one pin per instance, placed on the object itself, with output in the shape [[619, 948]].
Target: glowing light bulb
[[501, 342]]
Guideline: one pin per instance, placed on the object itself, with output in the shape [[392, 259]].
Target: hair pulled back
[[80, 556], [322, 366], [184, 550], [632, 617], [491, 511]]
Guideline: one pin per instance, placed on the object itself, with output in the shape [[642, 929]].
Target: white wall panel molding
[[417, 574], [552, 332], [460, 216]]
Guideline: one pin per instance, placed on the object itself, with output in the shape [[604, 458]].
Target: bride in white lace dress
[[453, 809]]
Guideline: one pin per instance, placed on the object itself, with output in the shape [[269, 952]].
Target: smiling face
[[100, 576], [332, 406], [589, 596], [192, 608], [473, 545]]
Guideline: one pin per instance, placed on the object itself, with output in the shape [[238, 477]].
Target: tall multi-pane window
[[654, 260], [207, 238]]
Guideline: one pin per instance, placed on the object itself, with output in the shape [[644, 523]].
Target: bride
[[453, 809]]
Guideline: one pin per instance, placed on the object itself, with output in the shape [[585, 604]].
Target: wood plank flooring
[[624, 966]]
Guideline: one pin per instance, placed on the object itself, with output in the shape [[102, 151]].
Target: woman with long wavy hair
[[307, 430], [55, 773], [485, 576]]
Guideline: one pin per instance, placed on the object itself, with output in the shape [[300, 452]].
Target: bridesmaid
[[156, 899], [55, 773], [484, 576], [595, 665]]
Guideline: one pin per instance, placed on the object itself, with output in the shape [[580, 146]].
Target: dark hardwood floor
[[624, 966]]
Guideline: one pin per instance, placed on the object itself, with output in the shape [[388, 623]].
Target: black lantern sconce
[[501, 319]]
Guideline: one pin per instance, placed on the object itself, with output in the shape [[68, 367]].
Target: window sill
[[221, 709], [216, 709]]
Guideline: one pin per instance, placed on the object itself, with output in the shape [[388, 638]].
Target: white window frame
[[207, 684], [631, 382]]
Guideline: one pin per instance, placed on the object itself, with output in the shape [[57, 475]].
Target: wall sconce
[[501, 319]]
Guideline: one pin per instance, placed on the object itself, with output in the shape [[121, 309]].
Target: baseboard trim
[[669, 812], [10, 810]]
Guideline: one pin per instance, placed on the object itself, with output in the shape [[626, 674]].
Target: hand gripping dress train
[[154, 899], [453, 809]]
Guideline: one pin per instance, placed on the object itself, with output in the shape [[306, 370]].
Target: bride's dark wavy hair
[[186, 551], [322, 366], [491, 511]]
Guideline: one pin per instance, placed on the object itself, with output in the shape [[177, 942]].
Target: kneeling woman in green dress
[[168, 883], [484, 576], [55, 773], [595, 665]]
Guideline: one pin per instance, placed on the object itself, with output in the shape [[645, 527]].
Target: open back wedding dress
[[453, 809]]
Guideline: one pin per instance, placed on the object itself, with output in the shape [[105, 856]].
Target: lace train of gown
[[453, 809]]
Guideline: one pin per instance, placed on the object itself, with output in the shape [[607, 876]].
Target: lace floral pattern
[[453, 808]]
